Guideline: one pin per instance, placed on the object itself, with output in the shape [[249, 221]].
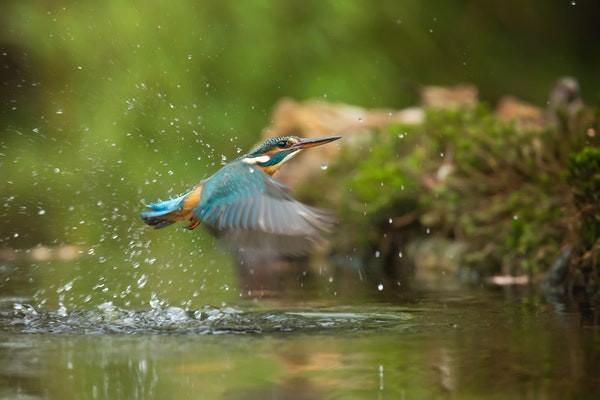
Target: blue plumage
[[232, 183], [155, 210], [247, 208]]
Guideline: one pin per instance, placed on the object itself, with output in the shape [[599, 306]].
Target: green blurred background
[[105, 105]]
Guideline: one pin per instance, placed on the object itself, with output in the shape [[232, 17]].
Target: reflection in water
[[315, 333], [466, 347]]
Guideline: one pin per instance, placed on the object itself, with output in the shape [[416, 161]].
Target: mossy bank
[[469, 192]]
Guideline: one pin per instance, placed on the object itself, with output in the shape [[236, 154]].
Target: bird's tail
[[164, 213]]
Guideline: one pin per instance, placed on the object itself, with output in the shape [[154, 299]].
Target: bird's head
[[274, 152]]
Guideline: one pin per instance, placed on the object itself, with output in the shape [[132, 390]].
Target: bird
[[242, 204]]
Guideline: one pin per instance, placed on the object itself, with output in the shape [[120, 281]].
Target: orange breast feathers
[[270, 170]]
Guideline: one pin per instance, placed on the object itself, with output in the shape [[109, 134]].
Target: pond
[[108, 106], [416, 342]]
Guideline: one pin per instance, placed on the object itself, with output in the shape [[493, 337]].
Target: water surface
[[436, 344]]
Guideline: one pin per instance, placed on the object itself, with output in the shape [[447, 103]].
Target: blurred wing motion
[[255, 215]]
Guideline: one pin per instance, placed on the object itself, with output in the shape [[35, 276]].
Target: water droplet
[[142, 281], [154, 301], [107, 307], [62, 310], [66, 287]]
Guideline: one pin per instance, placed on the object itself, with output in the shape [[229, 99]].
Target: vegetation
[[514, 197]]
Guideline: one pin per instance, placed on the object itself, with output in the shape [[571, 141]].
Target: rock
[[437, 261], [508, 280], [565, 97], [317, 118], [449, 97], [557, 274], [526, 116], [42, 253]]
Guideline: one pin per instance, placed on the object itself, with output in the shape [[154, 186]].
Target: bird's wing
[[250, 209]]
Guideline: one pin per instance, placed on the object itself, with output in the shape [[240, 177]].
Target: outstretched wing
[[254, 212]]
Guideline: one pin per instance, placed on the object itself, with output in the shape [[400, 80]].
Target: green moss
[[467, 176], [584, 177]]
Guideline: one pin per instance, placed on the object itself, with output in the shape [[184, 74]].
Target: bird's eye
[[284, 143]]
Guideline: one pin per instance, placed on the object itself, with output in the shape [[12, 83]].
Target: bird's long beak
[[306, 143]]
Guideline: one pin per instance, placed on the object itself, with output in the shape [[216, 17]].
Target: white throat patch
[[254, 160]]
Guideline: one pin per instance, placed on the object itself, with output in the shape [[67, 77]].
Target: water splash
[[107, 318]]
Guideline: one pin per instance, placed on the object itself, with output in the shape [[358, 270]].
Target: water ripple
[[109, 319]]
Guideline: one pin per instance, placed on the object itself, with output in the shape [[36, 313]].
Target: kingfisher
[[242, 204]]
